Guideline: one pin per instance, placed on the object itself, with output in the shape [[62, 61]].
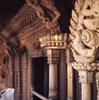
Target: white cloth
[[8, 94]]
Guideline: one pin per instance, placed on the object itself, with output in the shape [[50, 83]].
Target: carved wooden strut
[[85, 41]]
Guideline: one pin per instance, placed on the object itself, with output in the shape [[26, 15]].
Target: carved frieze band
[[24, 17]]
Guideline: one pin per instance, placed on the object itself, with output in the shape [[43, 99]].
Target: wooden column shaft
[[86, 78], [53, 60], [69, 74], [86, 91], [24, 77], [17, 78], [53, 81], [62, 77]]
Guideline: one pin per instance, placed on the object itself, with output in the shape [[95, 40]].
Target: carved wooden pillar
[[11, 75], [24, 77], [62, 76], [53, 44], [13, 71], [17, 78], [53, 60], [97, 81], [85, 77], [0, 74], [29, 87], [69, 74]]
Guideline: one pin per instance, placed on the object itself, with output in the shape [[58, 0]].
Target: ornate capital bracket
[[54, 41], [53, 44], [85, 66], [85, 31], [85, 77], [53, 56]]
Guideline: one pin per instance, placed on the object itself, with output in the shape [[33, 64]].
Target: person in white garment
[[7, 94]]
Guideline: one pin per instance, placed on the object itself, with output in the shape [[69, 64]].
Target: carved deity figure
[[85, 30], [47, 12]]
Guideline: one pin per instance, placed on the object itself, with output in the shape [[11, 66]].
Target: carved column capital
[[85, 66], [53, 44], [85, 77], [53, 56]]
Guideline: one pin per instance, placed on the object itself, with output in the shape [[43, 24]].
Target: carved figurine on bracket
[[46, 10], [85, 31]]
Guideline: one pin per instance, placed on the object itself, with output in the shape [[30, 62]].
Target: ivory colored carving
[[85, 42], [85, 30]]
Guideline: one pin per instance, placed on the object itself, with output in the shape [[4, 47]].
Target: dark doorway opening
[[40, 76]]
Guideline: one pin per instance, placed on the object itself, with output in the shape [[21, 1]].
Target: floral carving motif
[[85, 30], [85, 66]]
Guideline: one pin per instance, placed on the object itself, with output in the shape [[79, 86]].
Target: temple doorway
[[40, 76]]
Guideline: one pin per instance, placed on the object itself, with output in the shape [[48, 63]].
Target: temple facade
[[50, 51]]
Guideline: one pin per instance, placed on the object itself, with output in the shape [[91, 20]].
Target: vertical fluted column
[[53, 60]]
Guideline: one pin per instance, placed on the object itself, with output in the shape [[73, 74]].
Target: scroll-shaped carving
[[47, 12], [85, 30], [97, 84]]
